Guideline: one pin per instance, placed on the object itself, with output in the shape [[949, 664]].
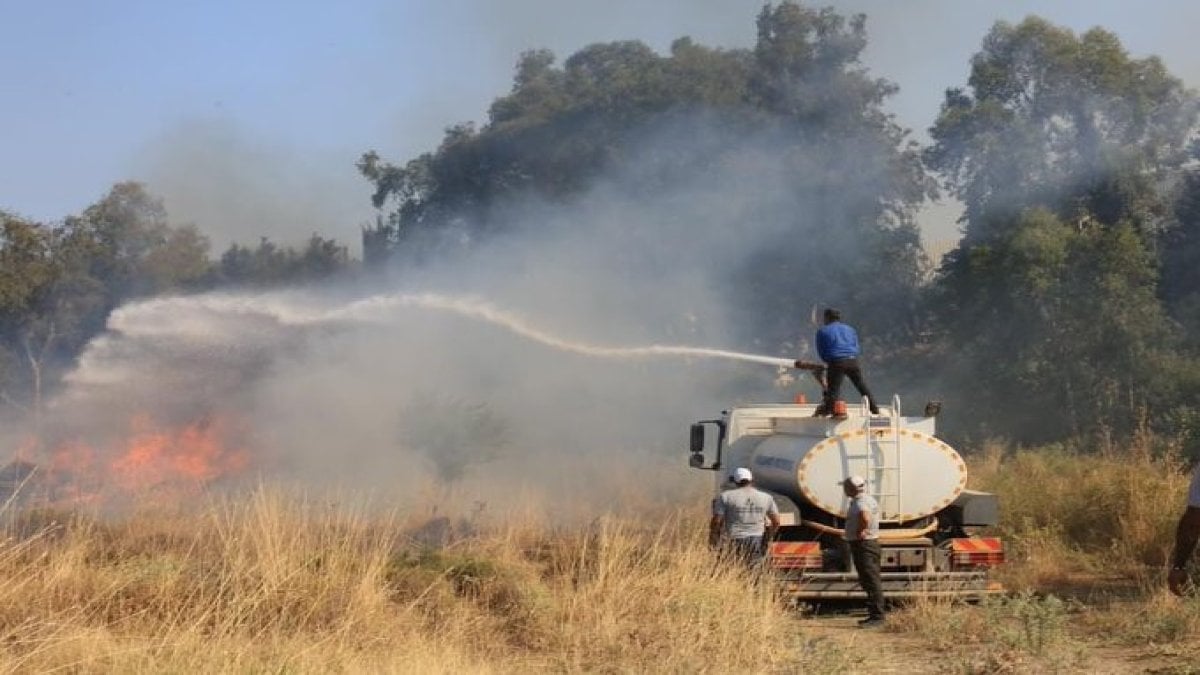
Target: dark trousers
[[837, 371], [866, 554]]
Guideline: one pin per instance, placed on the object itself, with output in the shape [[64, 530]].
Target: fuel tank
[[909, 471]]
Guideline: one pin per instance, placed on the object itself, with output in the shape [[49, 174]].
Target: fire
[[195, 453], [151, 458]]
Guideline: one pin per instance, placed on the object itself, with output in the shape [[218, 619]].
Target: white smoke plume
[[591, 336]]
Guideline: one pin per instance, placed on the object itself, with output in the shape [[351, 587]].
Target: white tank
[[910, 472]]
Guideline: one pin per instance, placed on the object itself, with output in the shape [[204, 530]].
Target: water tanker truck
[[929, 522]]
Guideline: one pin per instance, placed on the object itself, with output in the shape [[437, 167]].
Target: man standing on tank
[[837, 345], [862, 534], [747, 518]]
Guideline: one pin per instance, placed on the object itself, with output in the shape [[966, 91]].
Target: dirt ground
[[884, 650]]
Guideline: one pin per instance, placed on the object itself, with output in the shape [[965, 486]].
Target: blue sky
[[247, 116]]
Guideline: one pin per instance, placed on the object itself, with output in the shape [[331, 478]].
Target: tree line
[[59, 281], [1070, 305]]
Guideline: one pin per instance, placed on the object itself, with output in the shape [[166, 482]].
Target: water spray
[[370, 307], [207, 317]]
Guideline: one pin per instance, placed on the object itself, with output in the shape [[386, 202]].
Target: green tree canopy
[[1063, 150], [269, 264], [793, 129], [1180, 252], [47, 305], [1070, 123], [1058, 332], [133, 248], [58, 282]]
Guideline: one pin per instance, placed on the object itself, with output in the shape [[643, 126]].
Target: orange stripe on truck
[[961, 545], [976, 544], [795, 554], [977, 551], [795, 547]]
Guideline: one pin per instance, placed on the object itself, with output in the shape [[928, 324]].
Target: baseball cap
[[856, 481], [742, 473]]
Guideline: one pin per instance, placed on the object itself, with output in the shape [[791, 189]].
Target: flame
[[151, 458], [195, 453]]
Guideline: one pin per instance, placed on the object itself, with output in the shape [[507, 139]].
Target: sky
[[247, 116]]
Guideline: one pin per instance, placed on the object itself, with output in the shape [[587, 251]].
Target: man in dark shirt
[[837, 345], [1186, 534]]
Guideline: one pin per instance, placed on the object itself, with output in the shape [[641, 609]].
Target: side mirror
[[932, 408], [696, 461]]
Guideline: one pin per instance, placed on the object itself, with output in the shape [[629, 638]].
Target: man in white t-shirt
[[746, 517], [862, 535], [1186, 534]]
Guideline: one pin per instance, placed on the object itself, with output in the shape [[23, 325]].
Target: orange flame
[[196, 453], [152, 458]]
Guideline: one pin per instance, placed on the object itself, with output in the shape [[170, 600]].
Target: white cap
[[741, 474], [856, 481]]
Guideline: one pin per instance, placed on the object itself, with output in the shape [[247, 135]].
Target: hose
[[883, 534]]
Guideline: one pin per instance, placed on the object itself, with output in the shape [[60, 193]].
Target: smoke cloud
[[238, 189], [331, 403], [518, 338]]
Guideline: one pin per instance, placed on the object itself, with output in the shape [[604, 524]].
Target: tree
[[59, 282], [452, 434], [1064, 122], [1180, 252], [47, 303], [855, 177], [179, 262], [269, 264], [1061, 151], [559, 128], [132, 247], [794, 130], [26, 272], [1059, 331]]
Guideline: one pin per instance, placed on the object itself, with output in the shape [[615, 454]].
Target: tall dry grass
[[1088, 531], [1079, 510], [277, 583]]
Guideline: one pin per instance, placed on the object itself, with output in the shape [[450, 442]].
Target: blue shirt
[[837, 341]]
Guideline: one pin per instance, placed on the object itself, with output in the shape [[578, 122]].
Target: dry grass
[[1084, 512], [279, 584], [1022, 632], [1088, 531], [271, 582]]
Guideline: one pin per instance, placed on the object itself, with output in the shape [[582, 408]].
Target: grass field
[[274, 582], [1088, 531]]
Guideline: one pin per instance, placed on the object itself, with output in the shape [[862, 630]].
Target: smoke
[[238, 183], [578, 345], [924, 47], [330, 379], [238, 189], [326, 385]]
